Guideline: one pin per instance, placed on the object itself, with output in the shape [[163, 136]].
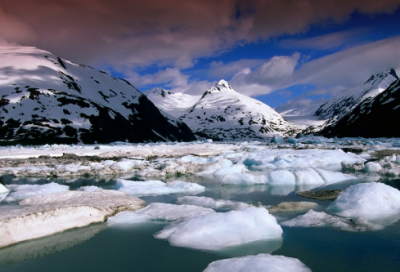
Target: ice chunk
[[372, 167], [90, 189], [244, 179], [281, 177], [49, 214], [308, 176], [3, 189], [234, 169], [198, 160], [158, 212], [321, 219], [210, 169], [369, 200], [221, 230], [258, 263], [293, 206], [334, 177], [277, 139], [211, 203], [19, 192], [157, 187]]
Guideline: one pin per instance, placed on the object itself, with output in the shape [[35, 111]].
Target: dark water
[[133, 248]]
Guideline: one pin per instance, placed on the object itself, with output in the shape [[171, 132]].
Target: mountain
[[174, 104], [377, 116], [345, 102], [46, 99], [224, 114]]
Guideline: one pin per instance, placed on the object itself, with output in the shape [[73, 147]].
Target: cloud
[[167, 33], [328, 41], [267, 77]]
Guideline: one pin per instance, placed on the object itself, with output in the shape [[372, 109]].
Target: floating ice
[[257, 263], [369, 200], [19, 192], [49, 214], [221, 230], [372, 167], [198, 160], [244, 179], [281, 177], [213, 204], [157, 187], [210, 169], [334, 177], [321, 219], [234, 169], [308, 176], [277, 139], [158, 212], [90, 189], [3, 189]]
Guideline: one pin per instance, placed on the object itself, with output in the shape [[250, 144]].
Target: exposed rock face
[[375, 117], [45, 99], [344, 103], [224, 114]]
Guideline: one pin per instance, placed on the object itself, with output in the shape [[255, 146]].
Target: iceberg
[[158, 212], [257, 263], [322, 219], [19, 192], [369, 200], [49, 214], [157, 187], [221, 230], [213, 204]]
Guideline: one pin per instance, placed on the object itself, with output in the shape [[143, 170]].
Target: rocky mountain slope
[[45, 99], [377, 116], [342, 104], [224, 114], [339, 106], [174, 104]]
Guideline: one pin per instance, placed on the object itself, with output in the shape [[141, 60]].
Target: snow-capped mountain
[[377, 116], [224, 114], [46, 99], [336, 108], [174, 104]]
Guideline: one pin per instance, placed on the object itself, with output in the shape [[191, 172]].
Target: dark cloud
[[174, 32]]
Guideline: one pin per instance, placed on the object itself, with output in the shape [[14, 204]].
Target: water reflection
[[48, 245]]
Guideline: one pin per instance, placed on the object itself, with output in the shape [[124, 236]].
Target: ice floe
[[48, 214], [221, 230], [322, 219], [158, 212], [257, 263], [91, 188], [213, 204], [157, 187], [19, 192], [369, 200]]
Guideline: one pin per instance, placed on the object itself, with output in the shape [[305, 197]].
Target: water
[[133, 248]]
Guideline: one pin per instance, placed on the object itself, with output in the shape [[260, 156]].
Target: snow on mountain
[[224, 114], [45, 99], [174, 104], [377, 116], [345, 102]]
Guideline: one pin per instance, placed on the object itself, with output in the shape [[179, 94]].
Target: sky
[[286, 53]]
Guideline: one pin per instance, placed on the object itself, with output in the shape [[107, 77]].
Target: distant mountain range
[[46, 99], [224, 114]]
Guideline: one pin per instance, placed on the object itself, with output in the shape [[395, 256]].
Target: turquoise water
[[133, 248]]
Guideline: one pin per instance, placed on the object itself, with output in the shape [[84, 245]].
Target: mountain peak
[[386, 73], [223, 83]]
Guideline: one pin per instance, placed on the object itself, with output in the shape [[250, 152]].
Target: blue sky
[[287, 53]]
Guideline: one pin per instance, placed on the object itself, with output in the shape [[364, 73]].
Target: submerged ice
[[19, 192]]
